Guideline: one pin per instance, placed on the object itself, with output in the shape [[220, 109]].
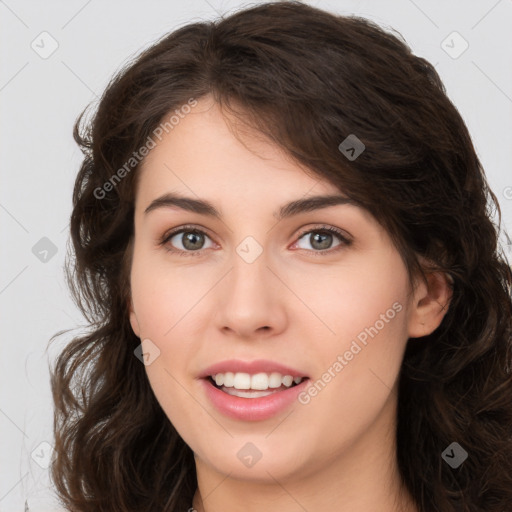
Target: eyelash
[[192, 229]]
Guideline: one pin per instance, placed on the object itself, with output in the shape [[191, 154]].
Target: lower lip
[[252, 409]]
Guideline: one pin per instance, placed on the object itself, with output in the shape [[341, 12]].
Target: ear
[[430, 303], [133, 319]]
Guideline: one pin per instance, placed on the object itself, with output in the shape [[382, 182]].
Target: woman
[[340, 338]]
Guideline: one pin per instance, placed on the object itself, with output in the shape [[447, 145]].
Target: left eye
[[322, 239]]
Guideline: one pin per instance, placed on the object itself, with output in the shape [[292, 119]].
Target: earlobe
[[431, 302]]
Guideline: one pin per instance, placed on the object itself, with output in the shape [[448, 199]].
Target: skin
[[291, 305]]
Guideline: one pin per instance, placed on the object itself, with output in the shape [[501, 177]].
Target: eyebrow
[[203, 207]]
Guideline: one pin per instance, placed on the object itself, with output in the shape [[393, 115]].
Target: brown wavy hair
[[306, 79]]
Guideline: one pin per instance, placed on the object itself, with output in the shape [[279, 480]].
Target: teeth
[[219, 379], [242, 381], [287, 380], [258, 381], [274, 380]]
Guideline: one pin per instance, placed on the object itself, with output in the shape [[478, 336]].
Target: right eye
[[190, 238]]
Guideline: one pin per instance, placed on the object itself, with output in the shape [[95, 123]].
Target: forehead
[[210, 154]]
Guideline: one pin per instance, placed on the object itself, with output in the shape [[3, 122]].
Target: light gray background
[[40, 99]]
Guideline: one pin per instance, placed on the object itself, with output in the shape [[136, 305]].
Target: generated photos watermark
[[341, 361], [143, 151]]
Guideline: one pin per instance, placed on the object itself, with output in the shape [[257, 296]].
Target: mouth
[[252, 397], [245, 385], [254, 390]]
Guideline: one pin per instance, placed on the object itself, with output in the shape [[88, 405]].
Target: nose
[[252, 300]]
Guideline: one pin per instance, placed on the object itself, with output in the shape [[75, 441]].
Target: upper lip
[[251, 367]]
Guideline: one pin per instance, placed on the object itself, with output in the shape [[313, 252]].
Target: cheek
[[352, 298], [167, 301], [165, 295], [163, 300], [360, 354], [362, 333]]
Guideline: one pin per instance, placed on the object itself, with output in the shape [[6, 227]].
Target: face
[[260, 294]]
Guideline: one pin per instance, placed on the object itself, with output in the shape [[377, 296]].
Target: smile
[[252, 404], [258, 385]]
